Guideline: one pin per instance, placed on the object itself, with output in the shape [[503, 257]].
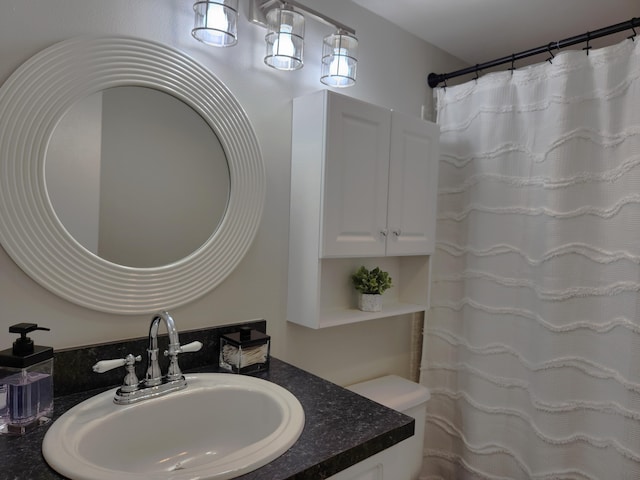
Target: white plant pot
[[370, 303]]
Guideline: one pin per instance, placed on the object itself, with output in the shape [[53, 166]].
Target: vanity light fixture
[[339, 60], [285, 38], [216, 22]]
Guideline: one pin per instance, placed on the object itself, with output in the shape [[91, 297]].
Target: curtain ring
[[632, 37], [513, 63], [588, 47], [477, 72], [550, 59]]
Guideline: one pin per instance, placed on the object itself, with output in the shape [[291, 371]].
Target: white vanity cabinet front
[[363, 189]]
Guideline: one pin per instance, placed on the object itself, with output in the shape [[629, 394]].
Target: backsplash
[[72, 367]]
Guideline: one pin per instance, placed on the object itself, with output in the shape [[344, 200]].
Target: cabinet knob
[[397, 232], [383, 233]]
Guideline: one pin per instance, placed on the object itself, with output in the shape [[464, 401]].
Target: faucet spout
[[154, 375]]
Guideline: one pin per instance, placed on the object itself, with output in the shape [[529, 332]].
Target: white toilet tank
[[409, 398]]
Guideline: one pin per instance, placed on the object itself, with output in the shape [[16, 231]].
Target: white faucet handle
[[191, 347], [106, 365]]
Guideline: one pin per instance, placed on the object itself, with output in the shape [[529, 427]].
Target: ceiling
[[477, 31]]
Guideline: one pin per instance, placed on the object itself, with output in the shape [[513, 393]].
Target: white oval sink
[[219, 427]]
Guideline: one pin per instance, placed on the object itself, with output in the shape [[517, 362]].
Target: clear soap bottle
[[26, 383]]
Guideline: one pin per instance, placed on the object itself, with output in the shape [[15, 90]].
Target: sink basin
[[219, 427]]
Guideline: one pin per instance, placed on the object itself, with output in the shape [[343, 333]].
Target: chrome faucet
[[154, 376], [154, 384]]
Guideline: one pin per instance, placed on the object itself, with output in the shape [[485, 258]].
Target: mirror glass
[[136, 176]]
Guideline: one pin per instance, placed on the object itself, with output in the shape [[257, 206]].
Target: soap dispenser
[[26, 383]]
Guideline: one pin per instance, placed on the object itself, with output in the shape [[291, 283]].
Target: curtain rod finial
[[434, 79]]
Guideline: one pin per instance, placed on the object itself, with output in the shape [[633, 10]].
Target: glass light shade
[[339, 61], [285, 39], [216, 22]]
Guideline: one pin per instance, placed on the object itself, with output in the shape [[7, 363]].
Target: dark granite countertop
[[341, 429]]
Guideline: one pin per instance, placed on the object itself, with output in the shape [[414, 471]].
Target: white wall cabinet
[[379, 176], [363, 191]]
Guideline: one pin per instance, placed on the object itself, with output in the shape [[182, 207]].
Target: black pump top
[[24, 345], [24, 353]]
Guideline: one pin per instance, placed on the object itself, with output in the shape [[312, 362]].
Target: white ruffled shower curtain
[[532, 344]]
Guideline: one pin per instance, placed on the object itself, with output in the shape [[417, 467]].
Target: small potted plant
[[371, 284]]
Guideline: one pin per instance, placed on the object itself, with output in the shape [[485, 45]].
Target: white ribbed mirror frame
[[33, 100]]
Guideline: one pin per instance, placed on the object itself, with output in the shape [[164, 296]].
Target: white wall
[[392, 72]]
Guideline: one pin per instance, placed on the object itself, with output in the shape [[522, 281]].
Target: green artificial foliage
[[372, 282]]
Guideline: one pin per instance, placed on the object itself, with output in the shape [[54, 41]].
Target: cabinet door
[[355, 178], [413, 183]]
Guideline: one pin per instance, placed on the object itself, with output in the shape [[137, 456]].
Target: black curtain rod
[[435, 78]]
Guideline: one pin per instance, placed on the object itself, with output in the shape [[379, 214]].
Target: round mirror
[[128, 162], [35, 104]]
